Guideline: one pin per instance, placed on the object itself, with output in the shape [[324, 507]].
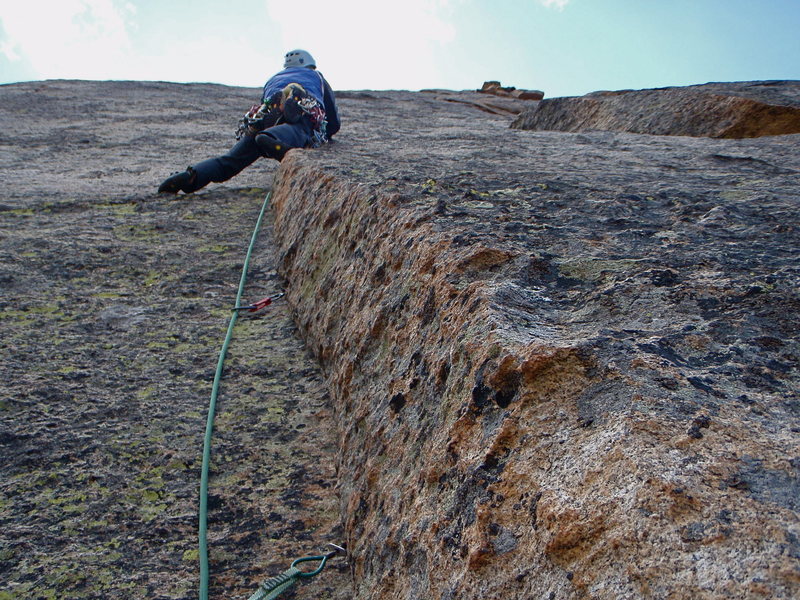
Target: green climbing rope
[[272, 588], [203, 513]]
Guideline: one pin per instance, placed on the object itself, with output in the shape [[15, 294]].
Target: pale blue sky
[[563, 47]]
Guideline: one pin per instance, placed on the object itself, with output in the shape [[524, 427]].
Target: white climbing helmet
[[298, 58]]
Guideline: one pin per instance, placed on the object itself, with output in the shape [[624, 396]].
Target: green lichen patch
[[588, 269], [112, 329]]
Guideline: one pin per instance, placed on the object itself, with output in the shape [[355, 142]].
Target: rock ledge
[[713, 110]]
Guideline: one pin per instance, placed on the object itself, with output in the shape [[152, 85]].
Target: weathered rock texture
[[563, 365], [505, 105], [560, 365], [494, 88], [741, 110], [113, 306]]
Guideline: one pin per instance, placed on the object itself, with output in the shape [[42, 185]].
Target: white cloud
[[557, 4], [364, 43], [213, 58], [75, 38], [8, 49], [358, 43]]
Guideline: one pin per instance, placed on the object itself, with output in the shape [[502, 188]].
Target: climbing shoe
[[179, 182], [271, 147]]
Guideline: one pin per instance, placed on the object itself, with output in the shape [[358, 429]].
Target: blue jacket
[[314, 83]]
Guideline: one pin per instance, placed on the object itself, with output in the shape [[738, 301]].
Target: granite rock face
[[558, 365], [563, 365], [113, 305], [742, 110]]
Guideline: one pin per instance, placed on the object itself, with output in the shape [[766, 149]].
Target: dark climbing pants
[[246, 152]]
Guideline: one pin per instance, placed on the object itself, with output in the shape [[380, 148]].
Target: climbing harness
[[259, 117], [271, 588]]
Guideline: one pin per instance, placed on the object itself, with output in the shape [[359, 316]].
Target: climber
[[297, 110]]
